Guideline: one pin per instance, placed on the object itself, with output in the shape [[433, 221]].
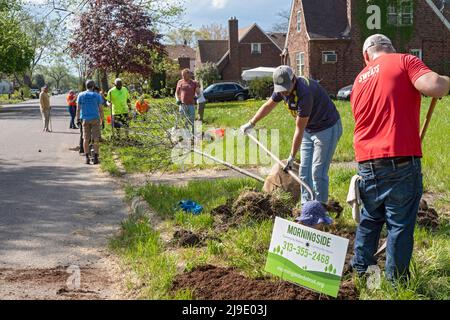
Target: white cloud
[[219, 4]]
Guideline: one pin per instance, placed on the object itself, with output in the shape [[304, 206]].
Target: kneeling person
[[90, 111]]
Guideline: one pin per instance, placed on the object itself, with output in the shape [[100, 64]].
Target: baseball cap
[[376, 40], [117, 80], [282, 79], [313, 212]]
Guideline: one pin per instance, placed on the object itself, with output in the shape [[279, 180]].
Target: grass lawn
[[233, 114], [245, 247]]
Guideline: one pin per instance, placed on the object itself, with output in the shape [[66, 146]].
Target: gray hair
[[90, 84], [378, 43]]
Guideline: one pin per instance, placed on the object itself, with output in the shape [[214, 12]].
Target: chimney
[[233, 46]]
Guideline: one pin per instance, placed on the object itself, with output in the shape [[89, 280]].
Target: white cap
[[117, 80], [376, 40]]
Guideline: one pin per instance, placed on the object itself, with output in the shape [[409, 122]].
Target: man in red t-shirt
[[185, 94], [386, 102]]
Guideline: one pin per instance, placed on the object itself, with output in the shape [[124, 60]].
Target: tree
[[116, 36], [207, 74], [283, 21], [58, 72], [212, 31], [181, 36], [15, 49]]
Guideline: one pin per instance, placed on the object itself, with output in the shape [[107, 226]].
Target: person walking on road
[[72, 108], [318, 128], [185, 93], [90, 112], [386, 101], [119, 99], [44, 104]]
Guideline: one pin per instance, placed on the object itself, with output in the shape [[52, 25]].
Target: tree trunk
[[104, 81]]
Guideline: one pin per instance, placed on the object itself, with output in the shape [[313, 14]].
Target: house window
[[417, 53], [300, 62], [392, 15], [256, 48], [401, 13], [299, 21], [406, 15], [329, 57]]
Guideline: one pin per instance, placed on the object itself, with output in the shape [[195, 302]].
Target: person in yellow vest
[[317, 127], [119, 100]]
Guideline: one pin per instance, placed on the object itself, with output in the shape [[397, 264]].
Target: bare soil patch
[[218, 283], [52, 284]]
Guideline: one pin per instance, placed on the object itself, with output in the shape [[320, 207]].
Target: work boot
[[96, 159], [88, 160]]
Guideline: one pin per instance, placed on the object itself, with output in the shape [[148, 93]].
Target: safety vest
[[294, 110]]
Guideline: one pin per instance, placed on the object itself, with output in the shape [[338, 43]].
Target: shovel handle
[[428, 119], [290, 172]]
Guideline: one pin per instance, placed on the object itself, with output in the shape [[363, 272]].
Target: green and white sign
[[306, 256]]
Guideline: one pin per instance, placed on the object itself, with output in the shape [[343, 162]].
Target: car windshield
[[210, 88], [347, 88]]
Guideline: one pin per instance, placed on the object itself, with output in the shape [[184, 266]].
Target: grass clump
[[141, 248]]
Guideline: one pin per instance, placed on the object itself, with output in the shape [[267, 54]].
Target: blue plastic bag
[[190, 206]]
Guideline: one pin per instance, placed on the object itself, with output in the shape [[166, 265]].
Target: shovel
[[422, 137], [290, 172]]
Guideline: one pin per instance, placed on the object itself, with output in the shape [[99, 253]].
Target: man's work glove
[[247, 127], [290, 164], [179, 102]]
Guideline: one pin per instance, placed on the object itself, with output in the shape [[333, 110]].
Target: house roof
[[326, 19], [212, 50], [217, 50], [278, 38], [180, 51]]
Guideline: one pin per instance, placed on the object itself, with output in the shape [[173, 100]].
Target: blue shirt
[[89, 103], [311, 100]]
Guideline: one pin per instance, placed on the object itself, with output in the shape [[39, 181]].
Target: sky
[[263, 12]]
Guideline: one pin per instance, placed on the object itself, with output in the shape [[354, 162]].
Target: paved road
[[55, 211]]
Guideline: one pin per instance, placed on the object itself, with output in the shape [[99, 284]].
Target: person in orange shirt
[[141, 106], [72, 107]]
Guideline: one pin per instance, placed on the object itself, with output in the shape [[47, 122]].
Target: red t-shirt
[[187, 91], [386, 108]]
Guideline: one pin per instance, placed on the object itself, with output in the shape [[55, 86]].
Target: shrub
[[261, 88], [207, 74]]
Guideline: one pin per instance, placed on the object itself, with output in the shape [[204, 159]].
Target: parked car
[[345, 92], [226, 91], [35, 93]]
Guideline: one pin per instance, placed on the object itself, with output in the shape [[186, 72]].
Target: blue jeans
[[317, 151], [188, 116], [72, 112], [390, 194]]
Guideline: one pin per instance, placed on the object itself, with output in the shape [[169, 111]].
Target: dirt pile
[[185, 238], [217, 283], [333, 206], [254, 205], [427, 217]]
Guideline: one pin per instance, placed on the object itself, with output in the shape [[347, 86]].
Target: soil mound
[[254, 205], [217, 283], [427, 217], [185, 238]]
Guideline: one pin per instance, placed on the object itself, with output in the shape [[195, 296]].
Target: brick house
[[245, 49], [183, 55], [325, 37]]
